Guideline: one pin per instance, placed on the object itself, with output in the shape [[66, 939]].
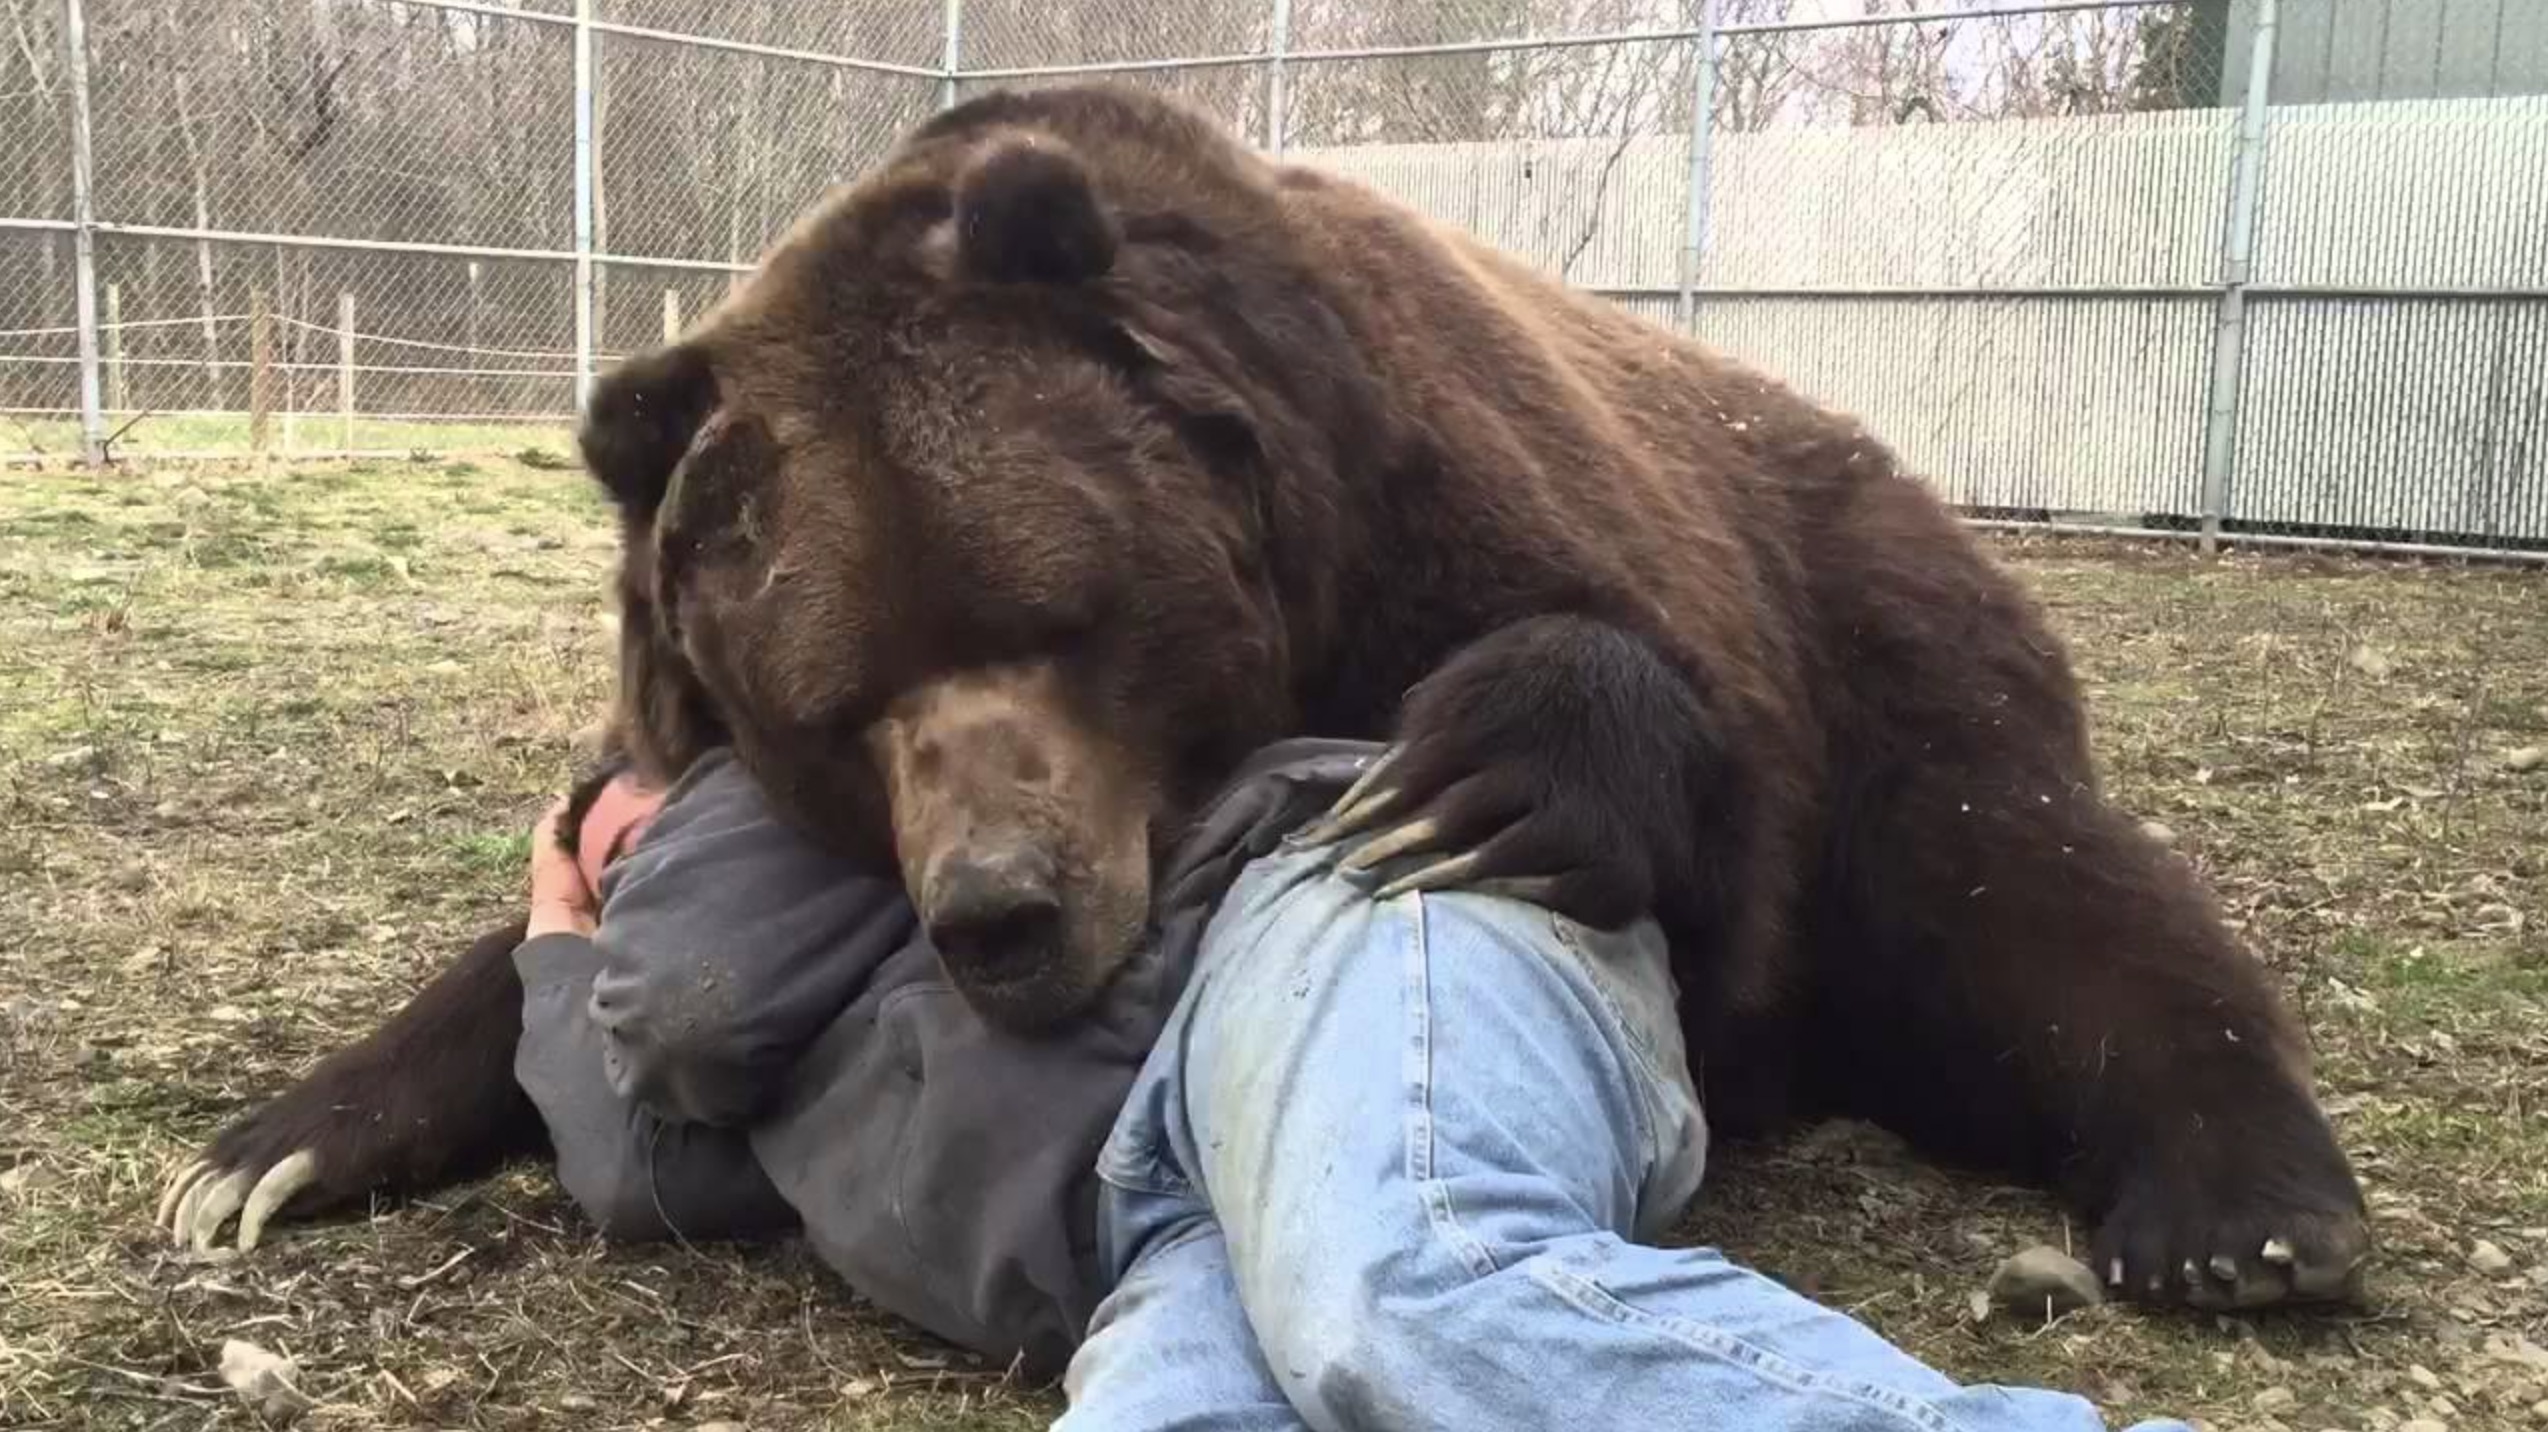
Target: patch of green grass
[[362, 569], [494, 852], [59, 521], [229, 549], [226, 434], [2454, 981], [95, 595], [329, 479]]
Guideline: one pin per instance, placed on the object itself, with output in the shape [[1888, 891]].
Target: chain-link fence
[[2270, 268]]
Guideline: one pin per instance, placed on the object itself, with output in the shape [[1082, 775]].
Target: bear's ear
[[1026, 211], [640, 421]]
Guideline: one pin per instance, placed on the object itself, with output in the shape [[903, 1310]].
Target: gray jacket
[[758, 1037]]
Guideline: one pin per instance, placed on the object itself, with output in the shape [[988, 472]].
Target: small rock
[[2423, 1377], [575, 1402], [2372, 663], [2274, 1399], [2025, 1282], [2521, 1352], [2539, 1412], [718, 1426], [2424, 1424], [263, 1380], [2527, 758], [444, 667], [2490, 1259], [2160, 831]]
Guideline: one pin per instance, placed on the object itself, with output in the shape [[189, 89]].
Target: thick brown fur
[[1231, 450]]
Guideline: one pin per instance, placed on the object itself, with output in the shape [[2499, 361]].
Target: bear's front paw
[[2226, 1240], [312, 1147], [1555, 761]]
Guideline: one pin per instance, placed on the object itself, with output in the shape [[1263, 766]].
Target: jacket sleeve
[[726, 945], [635, 1176]]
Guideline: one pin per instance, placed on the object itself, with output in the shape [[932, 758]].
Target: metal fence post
[[583, 201], [84, 238], [951, 59], [2238, 264], [1694, 230], [1274, 77]]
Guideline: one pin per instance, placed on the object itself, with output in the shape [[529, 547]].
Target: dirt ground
[[269, 742]]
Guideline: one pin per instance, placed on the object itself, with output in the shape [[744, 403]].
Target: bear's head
[[970, 518]]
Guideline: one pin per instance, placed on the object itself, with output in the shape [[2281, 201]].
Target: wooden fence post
[[116, 394], [345, 366], [260, 368]]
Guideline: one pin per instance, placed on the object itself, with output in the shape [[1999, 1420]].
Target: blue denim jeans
[[1399, 1165]]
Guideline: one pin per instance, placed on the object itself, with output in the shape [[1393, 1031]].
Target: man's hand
[[565, 890], [562, 900]]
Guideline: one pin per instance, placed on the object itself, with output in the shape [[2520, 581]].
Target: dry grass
[[268, 742]]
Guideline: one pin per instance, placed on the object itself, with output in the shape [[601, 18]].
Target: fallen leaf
[[263, 1380]]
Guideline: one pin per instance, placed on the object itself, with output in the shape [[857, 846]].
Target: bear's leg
[[2036, 984], [1558, 759], [427, 1099]]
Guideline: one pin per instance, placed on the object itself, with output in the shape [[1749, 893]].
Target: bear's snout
[[995, 917]]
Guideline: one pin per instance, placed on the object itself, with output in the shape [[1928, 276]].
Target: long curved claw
[[276, 1189], [220, 1199], [175, 1189], [1357, 807], [1415, 835], [1440, 875], [181, 1224]]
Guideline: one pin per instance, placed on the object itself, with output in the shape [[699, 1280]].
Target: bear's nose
[[998, 915]]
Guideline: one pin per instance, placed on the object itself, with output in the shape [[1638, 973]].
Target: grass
[[226, 434], [269, 741]]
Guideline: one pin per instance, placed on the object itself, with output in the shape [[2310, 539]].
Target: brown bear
[[1205, 450]]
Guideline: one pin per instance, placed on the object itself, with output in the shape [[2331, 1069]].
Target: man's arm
[[635, 1176], [726, 945]]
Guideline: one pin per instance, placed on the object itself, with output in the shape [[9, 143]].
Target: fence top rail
[[680, 37], [1563, 40], [190, 320], [386, 246], [957, 71]]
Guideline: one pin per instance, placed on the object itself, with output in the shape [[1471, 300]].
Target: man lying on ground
[[1383, 1164]]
